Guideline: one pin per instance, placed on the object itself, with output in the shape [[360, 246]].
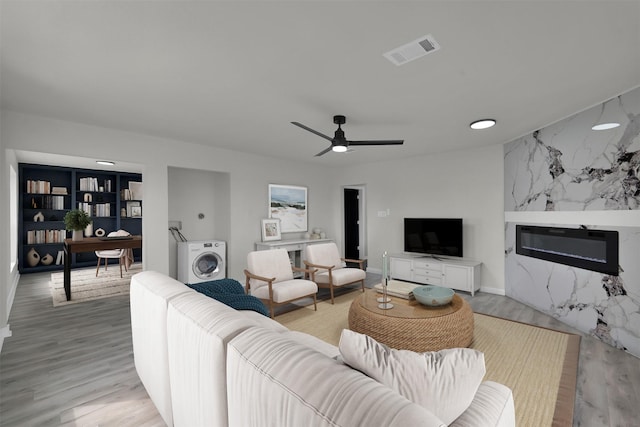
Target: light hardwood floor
[[73, 365]]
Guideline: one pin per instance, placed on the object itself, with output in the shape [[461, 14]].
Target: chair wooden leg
[[315, 306], [362, 281], [98, 267], [120, 262], [271, 309], [331, 291]]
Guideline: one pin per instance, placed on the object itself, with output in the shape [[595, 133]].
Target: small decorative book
[[398, 289]]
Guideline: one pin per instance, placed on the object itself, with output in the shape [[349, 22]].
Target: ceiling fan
[[339, 143]]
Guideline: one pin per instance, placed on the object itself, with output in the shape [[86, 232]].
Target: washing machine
[[201, 261]]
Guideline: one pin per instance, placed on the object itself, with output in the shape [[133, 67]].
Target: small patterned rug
[[85, 286]]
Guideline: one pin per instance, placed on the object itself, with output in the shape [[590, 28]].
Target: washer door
[[207, 265]]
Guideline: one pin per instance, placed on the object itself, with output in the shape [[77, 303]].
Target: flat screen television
[[433, 236]]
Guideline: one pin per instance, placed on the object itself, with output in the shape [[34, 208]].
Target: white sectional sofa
[[206, 364]]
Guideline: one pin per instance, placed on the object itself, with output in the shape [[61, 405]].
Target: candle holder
[[385, 300]]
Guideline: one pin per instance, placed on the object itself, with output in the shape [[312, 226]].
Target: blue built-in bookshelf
[[113, 200]]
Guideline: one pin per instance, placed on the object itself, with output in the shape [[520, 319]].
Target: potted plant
[[76, 220]]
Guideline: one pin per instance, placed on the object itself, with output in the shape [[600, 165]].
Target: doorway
[[354, 222]]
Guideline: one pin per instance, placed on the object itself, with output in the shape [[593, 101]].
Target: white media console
[[461, 275]]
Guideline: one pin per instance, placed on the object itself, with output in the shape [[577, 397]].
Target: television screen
[[434, 236]]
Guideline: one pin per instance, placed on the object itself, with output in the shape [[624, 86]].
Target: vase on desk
[[76, 236]]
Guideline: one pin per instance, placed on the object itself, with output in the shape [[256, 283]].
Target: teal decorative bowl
[[433, 296]]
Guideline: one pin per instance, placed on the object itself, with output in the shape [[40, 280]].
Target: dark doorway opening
[[351, 223]]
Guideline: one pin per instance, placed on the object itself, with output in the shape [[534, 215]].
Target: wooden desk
[[90, 244]]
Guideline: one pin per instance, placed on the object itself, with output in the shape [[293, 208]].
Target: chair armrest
[[303, 270], [360, 262], [250, 275], [324, 267]]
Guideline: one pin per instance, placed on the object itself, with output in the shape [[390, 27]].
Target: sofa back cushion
[[445, 382], [150, 293], [270, 263], [198, 330], [274, 380]]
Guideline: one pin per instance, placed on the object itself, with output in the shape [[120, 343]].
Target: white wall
[[194, 192], [249, 177], [8, 267], [465, 184]]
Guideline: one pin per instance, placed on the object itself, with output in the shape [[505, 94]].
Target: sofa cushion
[[276, 381], [445, 382], [287, 290], [341, 276], [150, 293], [198, 330], [220, 286], [242, 302]]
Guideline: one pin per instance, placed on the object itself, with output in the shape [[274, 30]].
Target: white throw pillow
[[444, 382]]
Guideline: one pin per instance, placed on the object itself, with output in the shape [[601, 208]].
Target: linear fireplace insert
[[595, 250]]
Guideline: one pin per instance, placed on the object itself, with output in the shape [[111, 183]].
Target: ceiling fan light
[[105, 162], [605, 126], [483, 124], [339, 148]]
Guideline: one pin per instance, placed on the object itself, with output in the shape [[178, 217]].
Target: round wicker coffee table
[[410, 325]]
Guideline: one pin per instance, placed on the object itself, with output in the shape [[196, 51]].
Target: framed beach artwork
[[270, 229], [288, 203]]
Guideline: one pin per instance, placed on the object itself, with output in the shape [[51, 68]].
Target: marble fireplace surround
[[607, 307], [567, 175]]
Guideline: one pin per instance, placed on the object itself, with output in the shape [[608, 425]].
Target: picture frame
[[136, 211], [288, 203], [136, 190], [270, 230], [130, 207]]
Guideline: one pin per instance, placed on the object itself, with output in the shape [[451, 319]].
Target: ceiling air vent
[[413, 50]]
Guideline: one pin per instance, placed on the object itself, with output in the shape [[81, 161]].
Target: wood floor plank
[[73, 365]]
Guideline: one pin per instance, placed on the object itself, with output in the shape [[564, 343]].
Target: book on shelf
[[35, 186], [38, 237], [97, 210], [53, 202], [60, 258], [398, 289], [59, 190]]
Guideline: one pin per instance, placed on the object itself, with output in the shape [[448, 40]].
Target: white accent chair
[[119, 254], [269, 277], [329, 270]]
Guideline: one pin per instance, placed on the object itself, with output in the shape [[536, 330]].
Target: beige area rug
[[538, 364], [85, 286]]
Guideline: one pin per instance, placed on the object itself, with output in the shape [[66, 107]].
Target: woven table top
[[409, 309]]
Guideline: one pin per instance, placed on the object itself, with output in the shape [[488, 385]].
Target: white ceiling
[[235, 74]]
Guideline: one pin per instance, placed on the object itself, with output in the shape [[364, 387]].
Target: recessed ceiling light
[[339, 148], [605, 126], [483, 124], [105, 162]]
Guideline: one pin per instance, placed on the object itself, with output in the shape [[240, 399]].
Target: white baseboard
[[495, 291], [14, 277], [5, 332]]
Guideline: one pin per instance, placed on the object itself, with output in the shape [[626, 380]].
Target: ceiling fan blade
[[323, 152], [312, 131], [378, 142]]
